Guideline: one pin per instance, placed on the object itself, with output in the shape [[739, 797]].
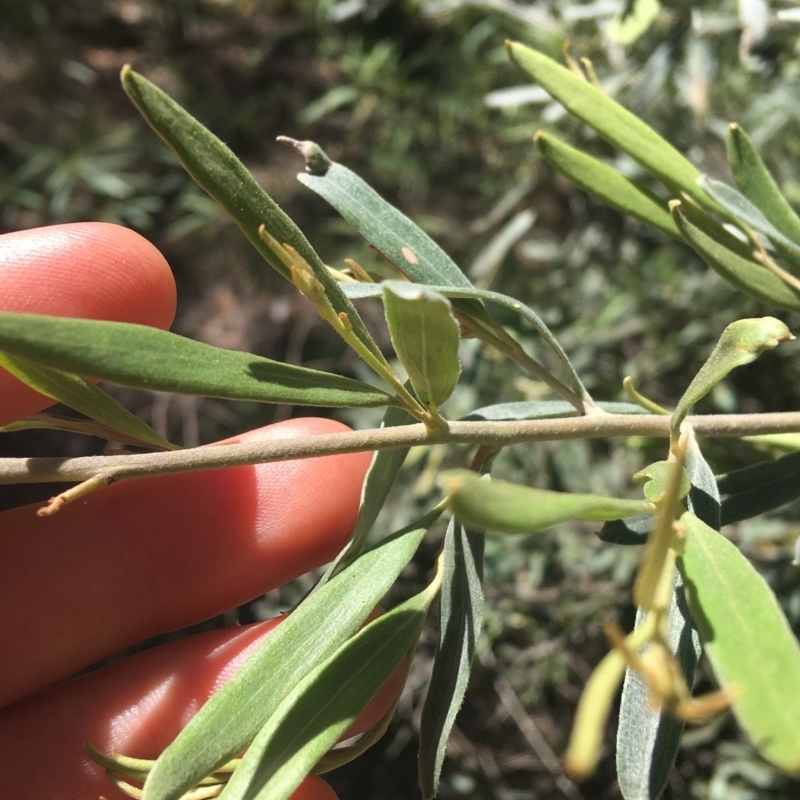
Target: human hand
[[142, 557]]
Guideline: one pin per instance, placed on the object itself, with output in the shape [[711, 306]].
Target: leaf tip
[[317, 162]]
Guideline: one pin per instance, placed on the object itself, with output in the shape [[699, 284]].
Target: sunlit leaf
[[757, 185], [742, 342], [231, 718], [727, 256], [740, 209], [747, 639], [615, 124], [325, 704], [606, 183], [80, 395], [358, 291], [148, 358], [425, 336], [460, 621], [215, 168], [508, 508]]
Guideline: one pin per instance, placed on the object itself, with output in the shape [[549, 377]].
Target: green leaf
[[57, 422], [85, 397], [759, 488], [325, 704], [378, 482], [231, 718], [358, 291], [647, 740], [215, 168], [615, 124], [628, 26], [425, 336], [396, 237], [606, 183], [740, 209], [543, 409], [148, 358], [728, 257], [747, 639], [755, 183], [407, 247], [460, 621], [742, 342], [508, 508]]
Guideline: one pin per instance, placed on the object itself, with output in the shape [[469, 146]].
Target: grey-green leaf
[[399, 239], [508, 508], [148, 358], [615, 124], [358, 291], [324, 705], [755, 183], [647, 740], [77, 393], [217, 170], [460, 621], [740, 209], [747, 639], [543, 409], [425, 336], [379, 480], [726, 256], [231, 718], [604, 182], [742, 342]]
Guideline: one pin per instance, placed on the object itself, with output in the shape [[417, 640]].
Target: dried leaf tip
[[317, 162]]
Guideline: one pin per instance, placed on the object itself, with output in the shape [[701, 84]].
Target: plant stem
[[493, 434]]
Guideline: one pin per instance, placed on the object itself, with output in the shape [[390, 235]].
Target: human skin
[[142, 557]]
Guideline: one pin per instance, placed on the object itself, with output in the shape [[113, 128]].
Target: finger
[[157, 554], [137, 706], [94, 270]]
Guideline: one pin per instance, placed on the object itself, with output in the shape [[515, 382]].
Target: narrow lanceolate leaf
[[606, 183], [726, 256], [741, 209], [747, 639], [80, 395], [425, 337], [615, 124], [325, 704], [231, 718], [460, 621], [543, 409], [358, 291], [742, 342], [508, 508], [759, 488], [647, 740], [390, 231], [57, 422], [378, 482], [148, 358], [215, 168], [757, 185]]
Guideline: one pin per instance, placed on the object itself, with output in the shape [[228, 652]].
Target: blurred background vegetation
[[419, 98]]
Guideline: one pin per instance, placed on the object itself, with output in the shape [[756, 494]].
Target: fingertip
[[91, 270]]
